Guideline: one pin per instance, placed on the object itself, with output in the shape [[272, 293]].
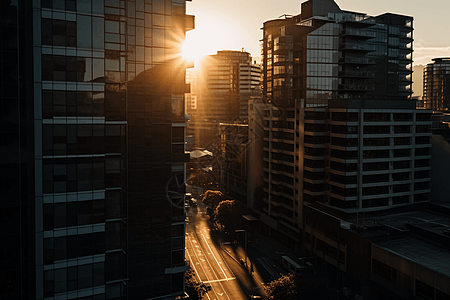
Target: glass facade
[[436, 83], [16, 148], [104, 101], [223, 85], [316, 66], [321, 65]]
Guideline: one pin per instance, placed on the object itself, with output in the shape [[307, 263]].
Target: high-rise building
[[93, 148], [221, 89], [234, 160], [342, 134], [344, 144], [436, 85]]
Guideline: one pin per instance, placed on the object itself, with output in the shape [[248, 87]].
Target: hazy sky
[[235, 24]]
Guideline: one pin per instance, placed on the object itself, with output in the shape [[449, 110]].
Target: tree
[[212, 198], [226, 214], [196, 290], [283, 288]]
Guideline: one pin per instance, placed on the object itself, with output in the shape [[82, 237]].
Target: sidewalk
[[260, 269], [264, 269], [251, 282]]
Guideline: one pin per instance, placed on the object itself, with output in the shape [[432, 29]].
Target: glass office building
[[339, 83], [93, 149], [436, 83]]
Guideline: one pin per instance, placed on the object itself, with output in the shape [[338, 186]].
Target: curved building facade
[[436, 84]]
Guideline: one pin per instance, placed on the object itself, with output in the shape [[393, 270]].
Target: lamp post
[[245, 245]]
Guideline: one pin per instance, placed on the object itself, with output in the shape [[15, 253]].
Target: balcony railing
[[355, 87], [363, 74], [357, 32], [357, 60], [355, 46]]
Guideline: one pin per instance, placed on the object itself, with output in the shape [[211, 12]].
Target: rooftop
[[421, 252], [421, 235]]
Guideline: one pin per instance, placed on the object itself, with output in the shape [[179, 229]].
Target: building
[[234, 160], [399, 254], [436, 83], [221, 89], [330, 74], [343, 139], [93, 137]]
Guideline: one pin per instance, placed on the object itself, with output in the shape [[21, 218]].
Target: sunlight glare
[[206, 39], [190, 50]]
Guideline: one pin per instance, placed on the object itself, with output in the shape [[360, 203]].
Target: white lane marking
[[201, 266], [226, 279], [207, 244], [195, 270], [217, 277]]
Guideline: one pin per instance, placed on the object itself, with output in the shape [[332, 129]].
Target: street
[[206, 259]]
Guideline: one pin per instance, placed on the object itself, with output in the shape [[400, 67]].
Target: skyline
[[212, 17], [127, 176]]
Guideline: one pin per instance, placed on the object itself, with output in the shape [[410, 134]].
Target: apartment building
[[224, 83], [435, 85], [93, 137], [343, 141]]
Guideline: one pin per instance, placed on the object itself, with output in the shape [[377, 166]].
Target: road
[[206, 259]]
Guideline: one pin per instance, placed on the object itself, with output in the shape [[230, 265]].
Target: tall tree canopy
[[212, 198], [283, 288]]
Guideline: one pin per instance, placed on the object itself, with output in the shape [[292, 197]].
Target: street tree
[[212, 198], [225, 214], [196, 290], [283, 288]]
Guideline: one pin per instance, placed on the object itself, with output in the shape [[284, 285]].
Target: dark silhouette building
[[436, 85], [93, 149], [222, 87], [339, 118], [344, 146]]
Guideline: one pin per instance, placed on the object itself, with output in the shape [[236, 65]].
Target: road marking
[[198, 262], [218, 280], [207, 244], [209, 263]]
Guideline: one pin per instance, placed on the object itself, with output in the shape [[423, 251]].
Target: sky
[[236, 24]]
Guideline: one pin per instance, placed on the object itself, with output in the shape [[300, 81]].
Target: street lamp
[[245, 248]]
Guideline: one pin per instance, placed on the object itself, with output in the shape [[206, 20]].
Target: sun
[[206, 39], [193, 49]]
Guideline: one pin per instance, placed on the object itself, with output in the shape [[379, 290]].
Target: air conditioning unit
[[346, 291]]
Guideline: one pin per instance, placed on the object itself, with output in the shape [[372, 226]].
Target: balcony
[[190, 22], [356, 74], [178, 268], [358, 33], [355, 87], [357, 60], [357, 47]]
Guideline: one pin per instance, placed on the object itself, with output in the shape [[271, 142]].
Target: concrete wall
[[440, 169]]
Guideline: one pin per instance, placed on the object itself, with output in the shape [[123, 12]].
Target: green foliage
[[212, 198], [224, 214], [283, 288], [229, 214], [193, 288]]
